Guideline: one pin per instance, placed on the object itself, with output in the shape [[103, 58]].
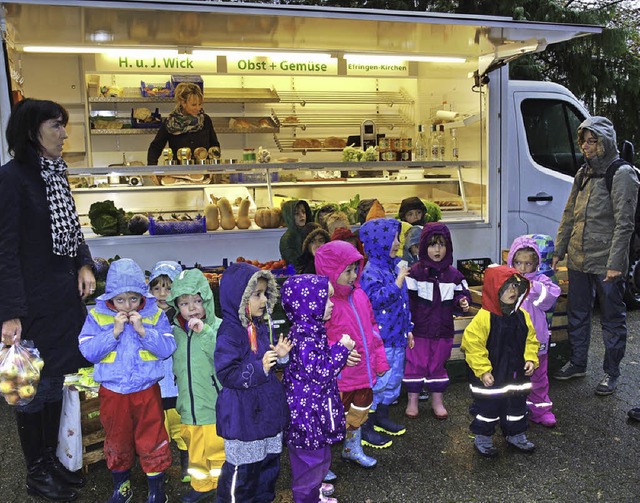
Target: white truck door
[[546, 120]]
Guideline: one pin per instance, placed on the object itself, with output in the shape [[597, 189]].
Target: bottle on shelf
[[441, 142], [420, 147], [455, 153], [435, 144]]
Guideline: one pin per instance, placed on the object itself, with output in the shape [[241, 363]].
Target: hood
[[236, 285], [317, 231], [411, 238], [429, 230], [524, 242], [288, 212], [495, 276], [168, 268], [304, 298], [333, 258], [190, 282], [607, 148], [125, 276], [412, 203], [377, 237]]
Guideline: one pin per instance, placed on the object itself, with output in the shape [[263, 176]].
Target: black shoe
[[40, 482], [607, 386], [634, 414], [424, 394], [569, 371]]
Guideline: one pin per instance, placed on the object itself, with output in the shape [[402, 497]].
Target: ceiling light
[[395, 58]]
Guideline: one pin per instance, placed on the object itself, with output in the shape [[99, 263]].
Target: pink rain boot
[[412, 405], [438, 406]]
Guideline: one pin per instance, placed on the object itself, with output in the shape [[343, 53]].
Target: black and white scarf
[[65, 224]]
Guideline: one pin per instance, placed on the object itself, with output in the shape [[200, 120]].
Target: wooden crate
[[459, 324], [92, 432]]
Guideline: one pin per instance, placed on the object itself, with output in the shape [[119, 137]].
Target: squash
[[212, 215], [376, 211], [244, 222], [268, 218], [227, 222]]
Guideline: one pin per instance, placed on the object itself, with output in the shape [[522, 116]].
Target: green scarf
[[178, 122]]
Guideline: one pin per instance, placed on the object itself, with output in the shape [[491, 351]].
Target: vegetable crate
[[92, 432]]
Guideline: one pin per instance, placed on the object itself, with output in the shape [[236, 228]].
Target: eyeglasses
[[590, 141]]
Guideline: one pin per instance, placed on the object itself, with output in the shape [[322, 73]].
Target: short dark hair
[[23, 129]]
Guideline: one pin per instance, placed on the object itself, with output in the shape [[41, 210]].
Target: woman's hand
[[11, 331], [86, 281], [529, 367], [195, 324], [269, 360], [612, 275], [283, 347], [487, 379]]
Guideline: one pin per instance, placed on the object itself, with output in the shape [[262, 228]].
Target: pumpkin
[[212, 215], [244, 222], [376, 211], [268, 218], [227, 221]]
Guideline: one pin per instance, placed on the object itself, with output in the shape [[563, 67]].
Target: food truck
[[345, 104]]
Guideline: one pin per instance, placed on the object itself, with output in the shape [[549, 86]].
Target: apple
[[12, 398], [38, 363], [10, 371], [6, 387], [26, 391]]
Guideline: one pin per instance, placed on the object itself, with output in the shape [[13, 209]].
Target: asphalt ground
[[592, 455]]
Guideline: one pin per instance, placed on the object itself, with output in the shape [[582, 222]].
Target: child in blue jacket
[[385, 286], [127, 336]]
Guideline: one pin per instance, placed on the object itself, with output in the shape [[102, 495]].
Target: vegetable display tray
[[162, 227]]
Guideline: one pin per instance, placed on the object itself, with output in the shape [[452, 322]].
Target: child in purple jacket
[[436, 289], [316, 414], [525, 257]]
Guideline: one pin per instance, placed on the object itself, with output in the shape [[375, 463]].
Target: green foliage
[[107, 220]]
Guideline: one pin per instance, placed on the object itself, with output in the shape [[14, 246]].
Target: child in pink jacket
[[353, 315], [525, 256]]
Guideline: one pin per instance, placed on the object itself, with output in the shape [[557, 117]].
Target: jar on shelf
[[248, 155]]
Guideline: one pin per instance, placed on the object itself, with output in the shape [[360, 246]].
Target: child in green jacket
[[195, 327]]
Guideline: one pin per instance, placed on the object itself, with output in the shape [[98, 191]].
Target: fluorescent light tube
[[380, 58]]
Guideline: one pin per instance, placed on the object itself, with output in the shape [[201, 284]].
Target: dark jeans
[[613, 313], [49, 390]]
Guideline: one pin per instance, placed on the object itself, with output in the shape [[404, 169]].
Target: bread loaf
[[334, 142]]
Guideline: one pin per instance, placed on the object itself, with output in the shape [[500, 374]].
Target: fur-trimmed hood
[[237, 284]]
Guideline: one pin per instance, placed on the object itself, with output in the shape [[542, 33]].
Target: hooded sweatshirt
[[596, 226], [435, 288], [291, 240], [500, 342], [129, 363], [411, 238], [252, 404], [316, 414], [198, 387], [353, 315], [543, 292], [390, 304]]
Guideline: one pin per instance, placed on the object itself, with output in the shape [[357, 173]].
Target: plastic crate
[[188, 79], [156, 121], [161, 227], [149, 90]]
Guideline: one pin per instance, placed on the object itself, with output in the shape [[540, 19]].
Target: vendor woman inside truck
[[187, 126]]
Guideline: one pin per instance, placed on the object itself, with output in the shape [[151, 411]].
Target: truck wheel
[[632, 293]]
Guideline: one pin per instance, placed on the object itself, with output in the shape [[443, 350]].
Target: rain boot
[[329, 477], [50, 427], [438, 406], [373, 438], [184, 464], [484, 445], [40, 480], [412, 405], [156, 488], [122, 492], [384, 423], [352, 450]]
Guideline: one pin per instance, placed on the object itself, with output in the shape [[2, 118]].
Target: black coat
[[36, 285], [206, 138]]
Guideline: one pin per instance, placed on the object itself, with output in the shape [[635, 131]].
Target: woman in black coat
[[45, 272], [186, 126]]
